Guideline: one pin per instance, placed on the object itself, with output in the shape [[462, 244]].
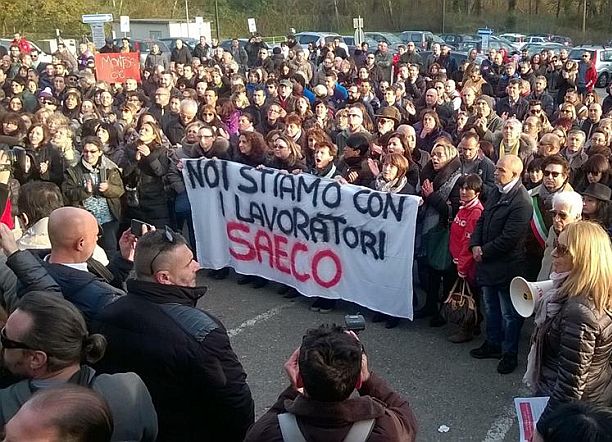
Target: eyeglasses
[[47, 102], [280, 146], [170, 239], [585, 56], [385, 121], [10, 344], [206, 136], [561, 215], [551, 172], [208, 114], [560, 249], [535, 111]]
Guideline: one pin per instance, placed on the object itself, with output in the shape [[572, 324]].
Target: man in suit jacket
[[498, 248]]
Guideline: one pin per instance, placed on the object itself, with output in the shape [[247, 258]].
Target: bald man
[[73, 233], [497, 245]]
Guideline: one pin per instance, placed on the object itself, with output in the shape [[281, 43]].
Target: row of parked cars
[[460, 45]]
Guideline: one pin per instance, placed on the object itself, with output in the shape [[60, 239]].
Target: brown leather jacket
[[577, 355], [331, 421]]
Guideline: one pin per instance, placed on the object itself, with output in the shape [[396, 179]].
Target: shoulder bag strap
[[289, 428], [360, 431]]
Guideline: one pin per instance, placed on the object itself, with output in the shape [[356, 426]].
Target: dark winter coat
[[501, 233]]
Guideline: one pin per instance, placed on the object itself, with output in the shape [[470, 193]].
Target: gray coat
[[129, 400]]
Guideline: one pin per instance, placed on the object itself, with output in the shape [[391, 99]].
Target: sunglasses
[[10, 344], [169, 237], [550, 172], [561, 215], [208, 114]]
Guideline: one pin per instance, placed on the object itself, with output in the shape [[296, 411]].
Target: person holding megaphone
[[571, 348]]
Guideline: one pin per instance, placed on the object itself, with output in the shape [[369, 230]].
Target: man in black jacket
[[498, 248], [182, 353], [73, 233], [181, 53]]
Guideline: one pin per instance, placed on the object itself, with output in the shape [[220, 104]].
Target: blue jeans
[[503, 322]]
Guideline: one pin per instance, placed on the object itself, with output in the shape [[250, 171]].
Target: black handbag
[[460, 306], [131, 197]]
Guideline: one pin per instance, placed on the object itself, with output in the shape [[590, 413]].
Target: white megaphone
[[524, 294]]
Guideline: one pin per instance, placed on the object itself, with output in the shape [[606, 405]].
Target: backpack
[[359, 432]]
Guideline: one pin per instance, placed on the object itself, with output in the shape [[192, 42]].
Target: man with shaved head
[[73, 234], [497, 245]]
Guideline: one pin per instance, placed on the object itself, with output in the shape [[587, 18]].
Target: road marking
[[500, 426], [259, 318]]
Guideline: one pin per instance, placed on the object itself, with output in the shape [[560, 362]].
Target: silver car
[[602, 56]]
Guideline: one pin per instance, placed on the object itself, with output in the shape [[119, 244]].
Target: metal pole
[[187, 14], [217, 20], [443, 15], [584, 12]]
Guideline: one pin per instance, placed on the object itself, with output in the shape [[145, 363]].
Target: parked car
[[533, 48], [457, 39], [43, 56], [350, 42], [226, 44], [421, 39], [458, 56], [501, 43], [318, 38], [566, 41], [517, 40], [391, 39], [602, 56], [144, 45], [188, 41]]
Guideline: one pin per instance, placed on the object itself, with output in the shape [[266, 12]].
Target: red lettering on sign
[[283, 254], [116, 68]]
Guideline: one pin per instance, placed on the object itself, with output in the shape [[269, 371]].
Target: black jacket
[[501, 232], [185, 358], [182, 56], [575, 362], [88, 292]]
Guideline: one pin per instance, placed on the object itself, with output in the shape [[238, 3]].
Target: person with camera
[[46, 342], [320, 403], [73, 235], [95, 184], [182, 353]]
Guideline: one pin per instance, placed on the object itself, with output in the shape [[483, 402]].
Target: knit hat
[[45, 93], [487, 99]]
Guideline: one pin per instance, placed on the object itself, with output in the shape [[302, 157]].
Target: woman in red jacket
[[461, 230]]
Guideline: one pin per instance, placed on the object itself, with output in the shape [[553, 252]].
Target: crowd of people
[[510, 157]]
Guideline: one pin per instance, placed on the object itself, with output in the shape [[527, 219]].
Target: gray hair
[[572, 200], [189, 103], [516, 124]]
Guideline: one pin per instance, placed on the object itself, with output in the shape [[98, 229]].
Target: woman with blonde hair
[[571, 346]]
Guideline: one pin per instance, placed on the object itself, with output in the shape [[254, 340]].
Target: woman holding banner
[[393, 179], [571, 346]]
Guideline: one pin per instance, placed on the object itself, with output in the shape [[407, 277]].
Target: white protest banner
[[320, 237]]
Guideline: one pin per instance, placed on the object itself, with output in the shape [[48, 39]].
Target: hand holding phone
[[139, 228]]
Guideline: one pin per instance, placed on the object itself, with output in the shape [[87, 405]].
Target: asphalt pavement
[[444, 385]]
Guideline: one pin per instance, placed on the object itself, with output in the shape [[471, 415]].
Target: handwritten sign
[[320, 237], [116, 68]]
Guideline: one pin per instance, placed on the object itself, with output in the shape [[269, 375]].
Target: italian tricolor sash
[[537, 223]]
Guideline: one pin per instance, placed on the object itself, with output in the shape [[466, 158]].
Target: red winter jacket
[[591, 77], [460, 234]]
